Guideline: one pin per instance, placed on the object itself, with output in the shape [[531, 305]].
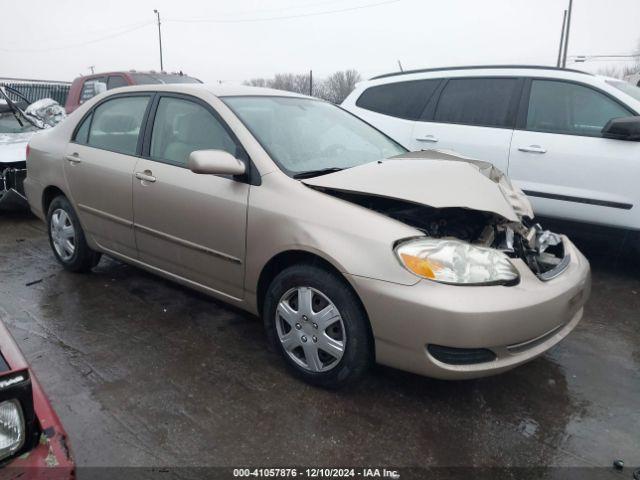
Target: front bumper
[[517, 323]]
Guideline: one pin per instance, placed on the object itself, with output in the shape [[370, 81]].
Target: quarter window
[[82, 134], [569, 108], [478, 101], [181, 127], [116, 124], [403, 99]]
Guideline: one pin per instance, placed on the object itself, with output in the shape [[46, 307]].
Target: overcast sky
[[60, 39]]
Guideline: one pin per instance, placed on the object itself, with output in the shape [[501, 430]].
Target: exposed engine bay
[[541, 250]]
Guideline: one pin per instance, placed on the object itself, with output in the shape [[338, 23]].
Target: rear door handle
[[533, 149], [145, 176], [74, 158], [428, 138]]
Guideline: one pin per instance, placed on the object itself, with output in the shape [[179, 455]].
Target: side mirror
[[625, 128], [215, 162]]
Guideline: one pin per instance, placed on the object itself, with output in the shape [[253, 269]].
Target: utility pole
[[566, 38], [311, 83], [564, 25], [159, 38]]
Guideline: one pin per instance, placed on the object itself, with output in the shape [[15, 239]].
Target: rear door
[[559, 158], [472, 116], [98, 166], [394, 107], [188, 224]]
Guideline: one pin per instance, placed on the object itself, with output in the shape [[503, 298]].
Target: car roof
[[479, 67], [219, 90]]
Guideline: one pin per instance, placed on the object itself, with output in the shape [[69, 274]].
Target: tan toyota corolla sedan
[[351, 249]]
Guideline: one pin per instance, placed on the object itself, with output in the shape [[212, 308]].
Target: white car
[[18, 124], [569, 139]]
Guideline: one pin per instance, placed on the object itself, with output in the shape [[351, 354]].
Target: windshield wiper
[[12, 107], [317, 173]]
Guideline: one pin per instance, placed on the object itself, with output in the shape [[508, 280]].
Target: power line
[[82, 44], [140, 25], [280, 17], [288, 7]]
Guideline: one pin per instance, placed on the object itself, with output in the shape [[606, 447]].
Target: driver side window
[[181, 127]]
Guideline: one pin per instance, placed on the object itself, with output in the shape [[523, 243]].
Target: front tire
[[67, 239], [317, 324]]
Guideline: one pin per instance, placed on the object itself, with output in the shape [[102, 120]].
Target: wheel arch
[[48, 194], [288, 258]]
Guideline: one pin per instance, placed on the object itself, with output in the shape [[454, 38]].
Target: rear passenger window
[[116, 124], [181, 127], [116, 81], [478, 101], [403, 99]]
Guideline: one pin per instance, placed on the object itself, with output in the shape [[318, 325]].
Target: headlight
[[453, 261], [11, 428]]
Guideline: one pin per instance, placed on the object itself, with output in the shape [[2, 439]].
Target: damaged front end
[[12, 178], [19, 121], [540, 249], [450, 197]]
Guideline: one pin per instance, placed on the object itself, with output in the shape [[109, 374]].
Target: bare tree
[[341, 84], [256, 82], [334, 89]]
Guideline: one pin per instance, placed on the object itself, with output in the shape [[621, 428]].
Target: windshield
[[303, 135], [9, 123], [626, 88]]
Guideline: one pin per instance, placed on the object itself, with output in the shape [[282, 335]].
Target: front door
[[562, 162], [98, 166], [188, 224]]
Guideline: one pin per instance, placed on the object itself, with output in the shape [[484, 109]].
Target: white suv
[[569, 139]]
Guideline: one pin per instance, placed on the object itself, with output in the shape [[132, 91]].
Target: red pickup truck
[[84, 88]]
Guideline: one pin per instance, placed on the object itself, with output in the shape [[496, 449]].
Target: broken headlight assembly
[[455, 262]]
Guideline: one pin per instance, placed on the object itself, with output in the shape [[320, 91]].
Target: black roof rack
[[477, 67]]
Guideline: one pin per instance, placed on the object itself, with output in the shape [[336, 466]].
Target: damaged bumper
[[12, 196], [43, 451], [457, 332]]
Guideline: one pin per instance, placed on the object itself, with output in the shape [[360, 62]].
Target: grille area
[[461, 356]]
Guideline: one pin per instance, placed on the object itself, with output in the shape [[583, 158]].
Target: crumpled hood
[[13, 146], [438, 179]]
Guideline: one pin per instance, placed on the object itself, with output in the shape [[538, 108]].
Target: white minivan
[[569, 139]]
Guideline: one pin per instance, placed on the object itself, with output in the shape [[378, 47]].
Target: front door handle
[[428, 138], [146, 176], [74, 158], [533, 149]]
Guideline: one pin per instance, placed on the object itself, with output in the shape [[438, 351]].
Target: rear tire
[[318, 325], [67, 239]]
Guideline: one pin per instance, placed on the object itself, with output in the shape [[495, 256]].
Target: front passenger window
[[116, 124], [183, 126], [568, 108]]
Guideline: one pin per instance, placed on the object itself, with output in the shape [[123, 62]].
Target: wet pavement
[[143, 372]]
